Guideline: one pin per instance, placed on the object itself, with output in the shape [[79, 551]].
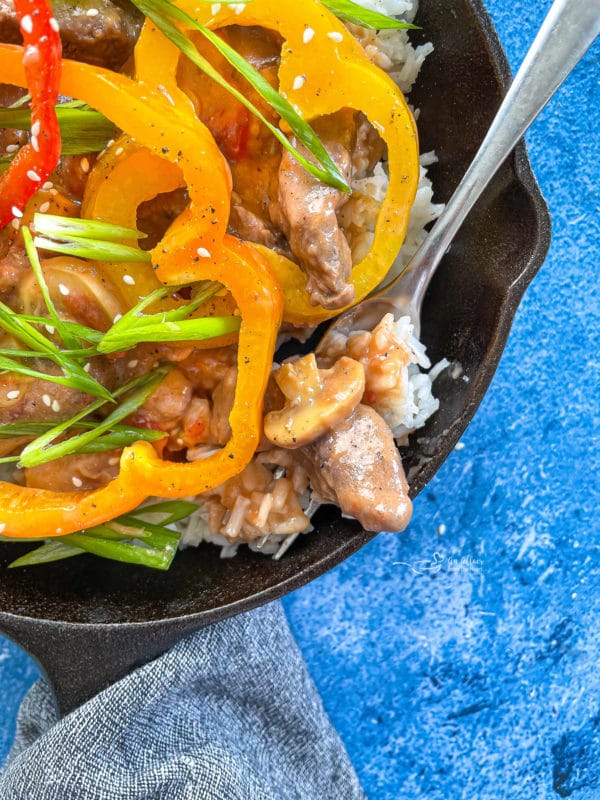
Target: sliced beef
[[95, 31], [156, 215], [9, 137], [357, 466], [42, 401], [71, 174], [305, 210], [90, 471], [167, 405]]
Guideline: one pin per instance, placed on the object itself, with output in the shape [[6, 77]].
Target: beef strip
[[84, 472], [42, 401], [358, 467], [156, 215], [105, 38], [305, 210], [9, 137]]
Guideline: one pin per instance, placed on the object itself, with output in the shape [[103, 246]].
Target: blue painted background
[[474, 673]]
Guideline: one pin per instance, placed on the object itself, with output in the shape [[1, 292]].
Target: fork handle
[[567, 32]]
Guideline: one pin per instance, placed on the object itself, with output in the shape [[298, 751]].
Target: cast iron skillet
[[88, 621]]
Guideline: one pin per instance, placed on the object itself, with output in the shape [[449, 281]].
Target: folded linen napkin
[[229, 713]]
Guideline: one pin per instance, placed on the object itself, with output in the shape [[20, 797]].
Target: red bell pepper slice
[[42, 59]]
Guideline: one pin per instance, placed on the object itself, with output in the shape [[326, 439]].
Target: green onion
[[147, 556], [163, 13], [81, 331], [65, 228], [41, 450], [127, 538], [48, 552], [82, 129], [87, 239], [74, 375], [168, 326], [63, 332], [94, 249], [197, 329], [120, 436], [348, 11], [175, 510]]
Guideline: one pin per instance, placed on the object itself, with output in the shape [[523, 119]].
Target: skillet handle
[[82, 660]]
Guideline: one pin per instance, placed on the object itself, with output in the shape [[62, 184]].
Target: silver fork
[[568, 30]]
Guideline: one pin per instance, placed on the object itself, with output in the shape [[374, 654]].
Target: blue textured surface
[[474, 673]]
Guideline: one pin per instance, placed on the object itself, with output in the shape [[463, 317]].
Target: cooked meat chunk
[[74, 472], [71, 174], [155, 216], [14, 265], [358, 467], [37, 400], [95, 31], [9, 137], [166, 405], [246, 224], [305, 210], [24, 399]]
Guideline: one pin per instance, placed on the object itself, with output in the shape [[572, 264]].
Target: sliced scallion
[[65, 334], [74, 375], [348, 11], [58, 227], [82, 129], [127, 538]]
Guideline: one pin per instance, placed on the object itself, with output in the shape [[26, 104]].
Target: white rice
[[410, 402]]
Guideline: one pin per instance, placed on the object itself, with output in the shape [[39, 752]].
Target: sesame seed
[[129, 280], [299, 81], [87, 367], [120, 150], [47, 186], [459, 446], [113, 461], [16, 223], [55, 406], [64, 290], [335, 36], [44, 207], [2, 527], [35, 144], [53, 192], [36, 128], [13, 394], [85, 165], [27, 24], [117, 318], [215, 8], [308, 35], [203, 252], [77, 482], [16, 212], [53, 24], [46, 400], [92, 12], [50, 329], [441, 529], [33, 176], [12, 148], [133, 363]]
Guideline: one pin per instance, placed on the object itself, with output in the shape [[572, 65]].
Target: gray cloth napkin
[[229, 713]]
